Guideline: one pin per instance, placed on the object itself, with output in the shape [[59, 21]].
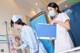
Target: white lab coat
[[30, 40], [63, 41]]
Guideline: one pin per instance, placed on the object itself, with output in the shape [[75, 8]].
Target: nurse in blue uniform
[[28, 36]]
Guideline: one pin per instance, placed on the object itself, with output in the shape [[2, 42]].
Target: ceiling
[[32, 7]]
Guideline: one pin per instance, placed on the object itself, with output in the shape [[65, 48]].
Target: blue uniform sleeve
[[32, 40], [25, 44]]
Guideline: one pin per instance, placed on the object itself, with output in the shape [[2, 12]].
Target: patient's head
[[17, 38]]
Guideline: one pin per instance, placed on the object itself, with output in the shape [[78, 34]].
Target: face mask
[[52, 13]]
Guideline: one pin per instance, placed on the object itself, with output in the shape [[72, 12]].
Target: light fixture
[[36, 4]]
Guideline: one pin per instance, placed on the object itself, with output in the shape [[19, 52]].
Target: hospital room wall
[[7, 9]]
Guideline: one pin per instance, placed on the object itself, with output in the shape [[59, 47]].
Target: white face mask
[[52, 13]]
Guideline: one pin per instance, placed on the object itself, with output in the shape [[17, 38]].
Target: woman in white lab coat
[[63, 41], [28, 36]]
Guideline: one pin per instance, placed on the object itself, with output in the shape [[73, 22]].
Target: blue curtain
[[74, 14], [47, 43]]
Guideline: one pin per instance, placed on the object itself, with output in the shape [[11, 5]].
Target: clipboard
[[46, 31]]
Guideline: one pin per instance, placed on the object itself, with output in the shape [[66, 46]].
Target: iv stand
[[7, 36]]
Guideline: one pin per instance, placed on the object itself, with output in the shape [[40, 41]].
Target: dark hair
[[19, 22], [54, 5]]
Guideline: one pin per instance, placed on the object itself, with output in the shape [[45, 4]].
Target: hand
[[54, 22], [16, 48], [50, 39], [12, 49]]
